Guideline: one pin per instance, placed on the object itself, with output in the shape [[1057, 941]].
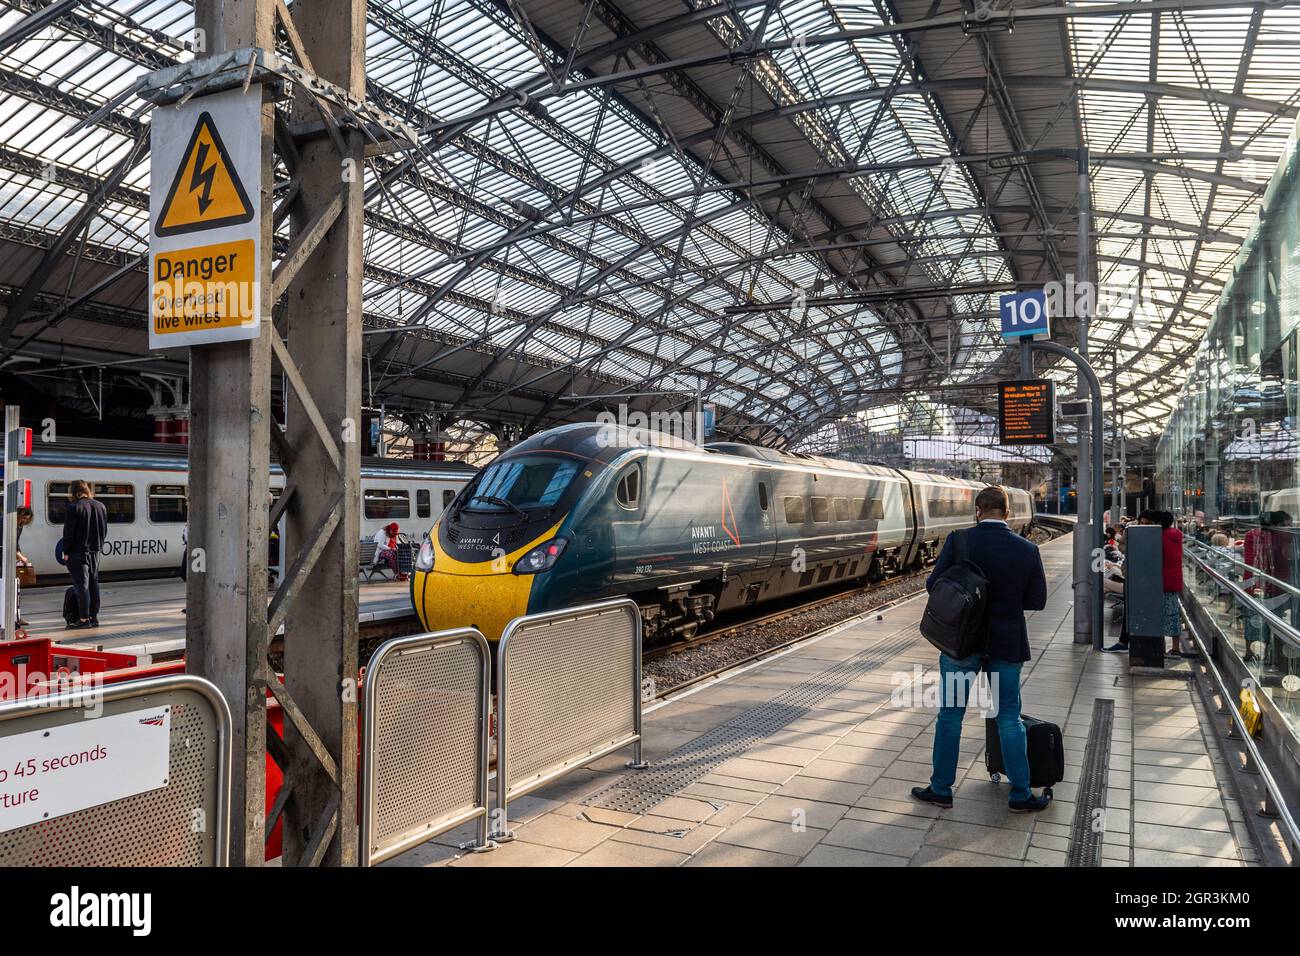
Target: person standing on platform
[[85, 526], [1172, 568], [22, 566], [1017, 583]]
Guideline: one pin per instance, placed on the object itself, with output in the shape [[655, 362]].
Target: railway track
[[680, 672], [708, 637], [790, 642]]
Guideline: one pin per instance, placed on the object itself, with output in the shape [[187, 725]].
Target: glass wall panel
[[1228, 463]]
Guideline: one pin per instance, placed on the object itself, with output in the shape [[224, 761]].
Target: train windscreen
[[523, 483]]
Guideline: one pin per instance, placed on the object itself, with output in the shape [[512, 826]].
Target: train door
[[767, 518], [630, 546], [916, 520]]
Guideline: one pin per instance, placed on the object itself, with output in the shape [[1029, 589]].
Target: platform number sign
[[1024, 315], [205, 220]]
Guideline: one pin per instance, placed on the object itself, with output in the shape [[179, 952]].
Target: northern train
[[590, 511], [144, 487]]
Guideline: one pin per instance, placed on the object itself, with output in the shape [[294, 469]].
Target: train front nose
[[449, 592]]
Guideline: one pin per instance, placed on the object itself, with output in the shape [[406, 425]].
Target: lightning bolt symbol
[[203, 177]]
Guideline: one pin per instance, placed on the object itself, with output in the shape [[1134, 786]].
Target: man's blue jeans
[[957, 685]]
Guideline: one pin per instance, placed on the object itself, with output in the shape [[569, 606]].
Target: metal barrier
[[134, 774], [1274, 803], [427, 702], [568, 693]]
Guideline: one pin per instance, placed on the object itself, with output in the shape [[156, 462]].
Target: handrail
[[1284, 630], [1254, 571], [1253, 755]]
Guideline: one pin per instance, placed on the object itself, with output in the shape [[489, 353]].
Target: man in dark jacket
[[85, 526], [1014, 570]]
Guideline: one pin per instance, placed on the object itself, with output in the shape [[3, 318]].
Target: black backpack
[[956, 614]]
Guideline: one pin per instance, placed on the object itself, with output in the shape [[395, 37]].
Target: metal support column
[[1089, 625], [1090, 481], [9, 570], [323, 337], [229, 462], [317, 349]]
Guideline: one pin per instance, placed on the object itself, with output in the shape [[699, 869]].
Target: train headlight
[[541, 558], [424, 560]]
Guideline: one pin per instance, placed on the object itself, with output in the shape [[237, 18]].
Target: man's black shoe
[[926, 795], [1030, 805]]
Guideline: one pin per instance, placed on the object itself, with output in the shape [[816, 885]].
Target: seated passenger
[[386, 549], [1017, 583]]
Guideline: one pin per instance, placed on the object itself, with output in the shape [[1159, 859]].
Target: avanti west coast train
[[591, 511], [144, 488]]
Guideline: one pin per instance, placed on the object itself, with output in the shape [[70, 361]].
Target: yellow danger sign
[[205, 215], [203, 288], [206, 192]]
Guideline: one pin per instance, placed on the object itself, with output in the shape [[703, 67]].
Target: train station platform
[[147, 619], [807, 759]]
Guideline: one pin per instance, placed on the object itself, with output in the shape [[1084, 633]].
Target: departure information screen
[[1026, 412]]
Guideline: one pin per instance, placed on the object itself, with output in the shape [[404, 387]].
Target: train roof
[[598, 440], [928, 477], [760, 453], [605, 441], [112, 453]]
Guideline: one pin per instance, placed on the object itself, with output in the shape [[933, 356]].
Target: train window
[[528, 481], [762, 495], [628, 492], [448, 496], [56, 501], [794, 511], [118, 502], [869, 508], [383, 504], [167, 504], [841, 506], [422, 504], [821, 511]]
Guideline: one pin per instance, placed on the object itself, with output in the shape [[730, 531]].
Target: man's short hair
[[992, 498]]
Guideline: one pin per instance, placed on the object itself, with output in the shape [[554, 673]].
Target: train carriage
[[590, 511], [144, 487]]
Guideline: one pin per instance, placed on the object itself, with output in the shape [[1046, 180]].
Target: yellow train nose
[[485, 601], [482, 594]]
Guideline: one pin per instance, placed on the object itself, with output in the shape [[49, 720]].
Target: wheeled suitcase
[[1046, 752], [71, 612]]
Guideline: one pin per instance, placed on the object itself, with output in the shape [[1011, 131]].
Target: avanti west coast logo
[[77, 909]]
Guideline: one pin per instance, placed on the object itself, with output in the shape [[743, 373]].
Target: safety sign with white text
[[69, 767], [205, 221]]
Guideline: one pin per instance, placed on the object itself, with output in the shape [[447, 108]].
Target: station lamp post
[[1025, 317]]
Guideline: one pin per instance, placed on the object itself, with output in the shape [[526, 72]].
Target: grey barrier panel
[[183, 822], [568, 693], [425, 765]]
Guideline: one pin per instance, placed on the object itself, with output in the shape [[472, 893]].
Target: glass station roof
[[752, 231]]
